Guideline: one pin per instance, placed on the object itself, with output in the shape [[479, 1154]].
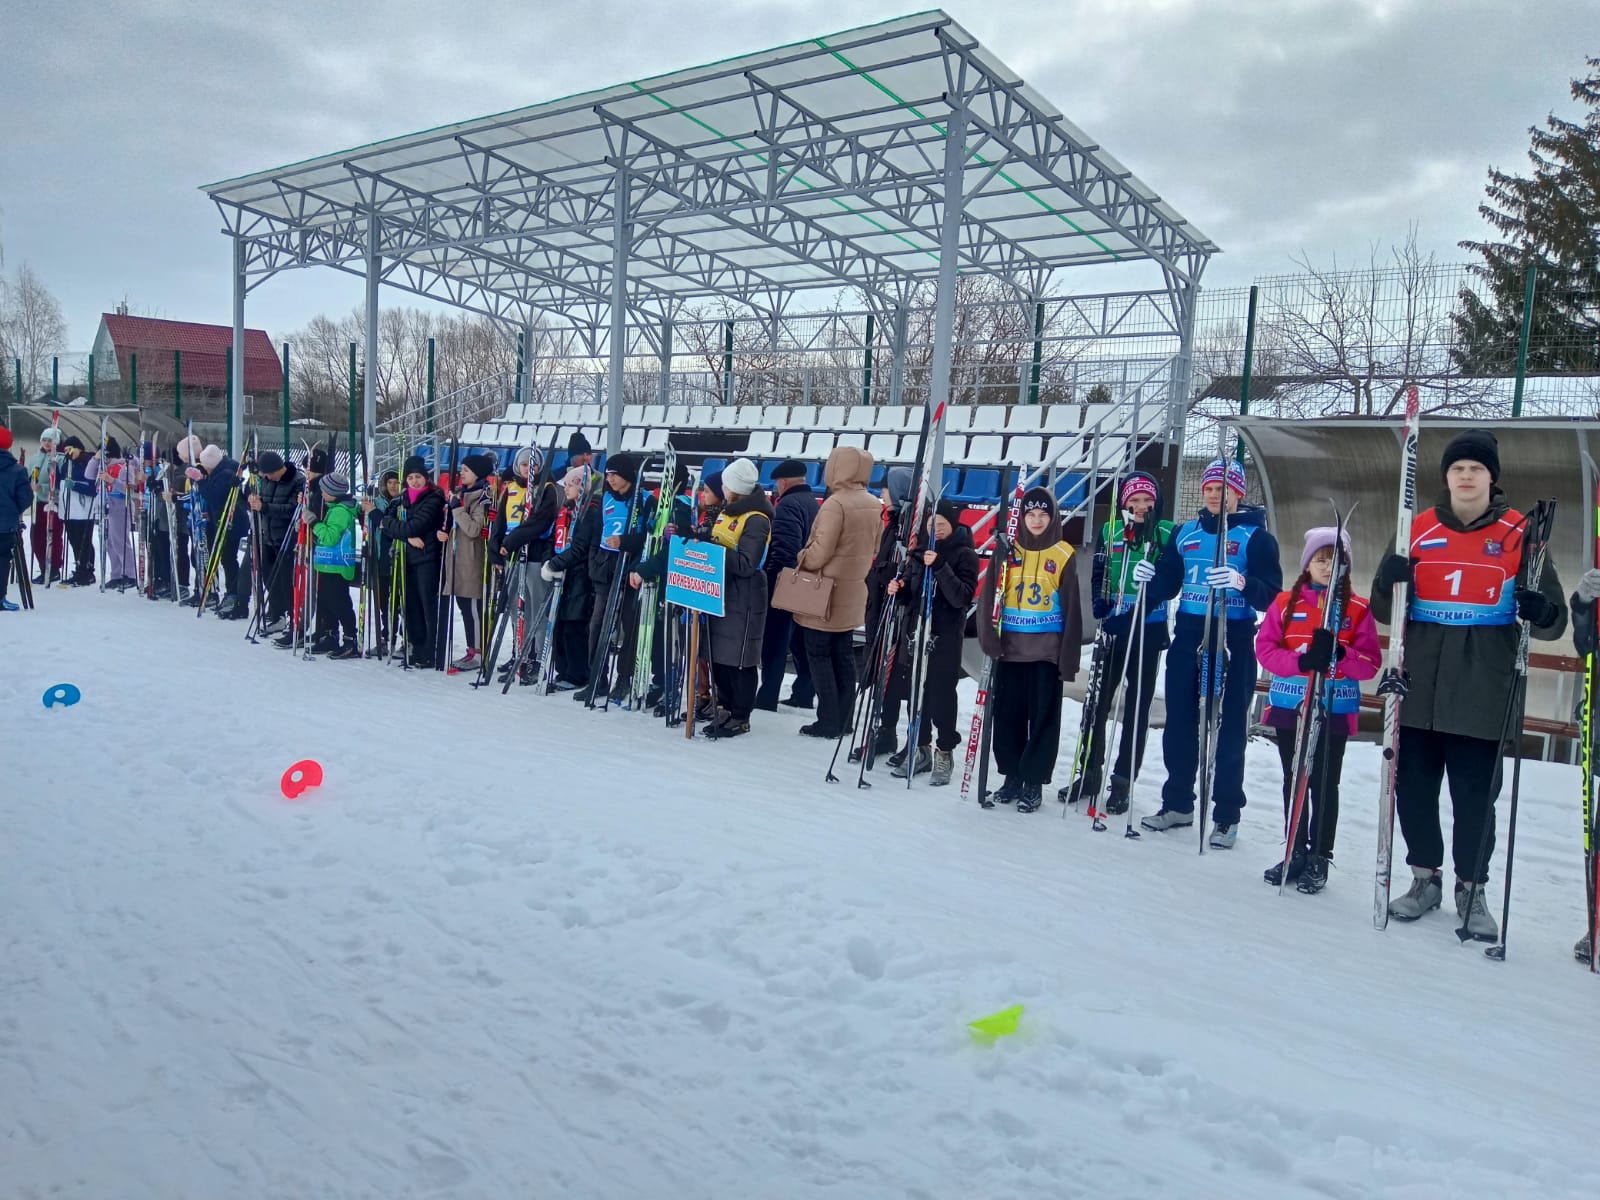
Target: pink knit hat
[[1321, 538]]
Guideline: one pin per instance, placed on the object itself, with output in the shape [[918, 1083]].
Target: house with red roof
[[197, 353]]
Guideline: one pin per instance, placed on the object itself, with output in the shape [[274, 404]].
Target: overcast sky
[[1276, 126]]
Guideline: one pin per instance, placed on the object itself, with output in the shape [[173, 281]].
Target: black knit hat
[[72, 443], [578, 444], [321, 461], [269, 461], [1038, 498], [413, 466], [949, 510], [481, 465], [625, 464], [1476, 445], [789, 468]]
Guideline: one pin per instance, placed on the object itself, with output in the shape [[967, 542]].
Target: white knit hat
[[210, 457], [187, 448], [740, 477]]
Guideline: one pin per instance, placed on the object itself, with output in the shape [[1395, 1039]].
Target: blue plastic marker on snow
[[62, 693]]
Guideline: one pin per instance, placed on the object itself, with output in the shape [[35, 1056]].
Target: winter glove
[[1318, 657], [1589, 586], [1144, 571], [1535, 608], [195, 474], [548, 572], [1103, 608], [1225, 577], [1396, 569]]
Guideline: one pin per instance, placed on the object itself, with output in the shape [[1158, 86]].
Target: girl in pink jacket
[[1291, 644]]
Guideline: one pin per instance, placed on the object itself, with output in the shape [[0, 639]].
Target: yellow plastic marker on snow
[[997, 1024]]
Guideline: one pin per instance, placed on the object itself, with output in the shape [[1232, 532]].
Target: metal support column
[[866, 365], [133, 380], [285, 413], [369, 382], [1038, 351], [522, 366], [727, 362], [177, 384], [944, 312], [525, 374], [55, 379], [897, 360], [91, 379], [1179, 383], [350, 400], [621, 235], [664, 388], [236, 381], [1522, 340]]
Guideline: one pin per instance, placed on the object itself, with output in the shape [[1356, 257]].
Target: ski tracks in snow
[[514, 948]]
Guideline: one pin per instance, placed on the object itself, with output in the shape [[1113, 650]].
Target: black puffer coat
[[955, 582], [278, 501], [736, 635], [423, 519], [577, 592]]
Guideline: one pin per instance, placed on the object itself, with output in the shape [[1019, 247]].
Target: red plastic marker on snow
[[307, 773]]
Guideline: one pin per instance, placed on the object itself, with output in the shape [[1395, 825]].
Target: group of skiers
[[571, 567]]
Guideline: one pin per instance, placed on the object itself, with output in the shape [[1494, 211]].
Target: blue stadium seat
[[879, 471], [1071, 489], [712, 464], [981, 485], [767, 468], [952, 480]]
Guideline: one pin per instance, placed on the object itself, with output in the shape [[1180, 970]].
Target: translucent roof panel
[[817, 164]]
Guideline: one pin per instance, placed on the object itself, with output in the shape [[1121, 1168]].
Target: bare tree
[[32, 326]]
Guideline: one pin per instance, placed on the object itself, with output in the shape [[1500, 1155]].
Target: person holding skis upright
[[1466, 597], [576, 534], [48, 533], [1292, 644], [274, 495], [464, 554], [1127, 544], [524, 521], [415, 517], [1036, 649], [1248, 582], [954, 562], [1586, 641], [744, 530], [78, 486], [16, 498], [334, 564]]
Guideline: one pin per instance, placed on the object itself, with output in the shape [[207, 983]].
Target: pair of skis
[[981, 734]]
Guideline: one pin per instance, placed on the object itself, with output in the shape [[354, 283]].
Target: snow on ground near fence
[[511, 948]]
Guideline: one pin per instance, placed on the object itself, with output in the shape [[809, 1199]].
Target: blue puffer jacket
[[16, 493], [794, 514]]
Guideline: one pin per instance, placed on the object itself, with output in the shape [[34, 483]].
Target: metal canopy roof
[[819, 164]]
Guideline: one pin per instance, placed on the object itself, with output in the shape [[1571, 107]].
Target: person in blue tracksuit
[[1247, 583]]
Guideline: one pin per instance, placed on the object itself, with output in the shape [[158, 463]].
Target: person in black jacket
[[744, 529], [380, 558], [793, 515], [576, 534], [16, 498], [275, 494], [623, 518], [524, 528], [414, 521], [218, 479], [955, 565]]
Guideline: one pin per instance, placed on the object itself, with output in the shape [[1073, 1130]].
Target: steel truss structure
[[878, 159]]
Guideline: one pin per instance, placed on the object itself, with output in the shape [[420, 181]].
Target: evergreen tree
[[1550, 219]]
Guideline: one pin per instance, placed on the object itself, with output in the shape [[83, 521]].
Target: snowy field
[[514, 949]]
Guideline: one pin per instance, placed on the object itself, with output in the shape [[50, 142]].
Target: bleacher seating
[[985, 445]]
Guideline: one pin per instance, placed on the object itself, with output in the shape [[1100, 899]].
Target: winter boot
[[1275, 875], [726, 726], [898, 758], [529, 674], [1008, 791], [1117, 802], [275, 626], [884, 748], [818, 730], [1424, 895], [1032, 796], [921, 765], [1315, 876], [1223, 836], [348, 650], [470, 661], [1165, 819], [1479, 923], [286, 642], [944, 762]]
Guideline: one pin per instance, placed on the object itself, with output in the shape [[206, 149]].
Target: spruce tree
[[1551, 219]]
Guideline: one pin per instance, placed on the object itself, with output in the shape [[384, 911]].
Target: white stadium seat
[[791, 443], [852, 437], [724, 417], [894, 418], [861, 416], [676, 416], [761, 444], [633, 414], [748, 416], [700, 416], [803, 416], [983, 450], [989, 418], [884, 447], [1025, 418], [1025, 451], [656, 439], [654, 414], [1061, 418], [472, 433], [818, 446], [958, 418], [775, 416]]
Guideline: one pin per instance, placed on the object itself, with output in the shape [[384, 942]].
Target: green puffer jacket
[[335, 536]]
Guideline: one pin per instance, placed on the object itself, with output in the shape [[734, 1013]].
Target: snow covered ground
[[511, 948]]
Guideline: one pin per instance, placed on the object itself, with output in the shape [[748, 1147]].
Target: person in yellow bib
[[1035, 648], [744, 529]]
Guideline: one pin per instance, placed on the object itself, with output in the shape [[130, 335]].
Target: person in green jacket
[[334, 562], [1129, 547]]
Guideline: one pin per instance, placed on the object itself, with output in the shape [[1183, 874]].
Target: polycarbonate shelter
[[877, 158]]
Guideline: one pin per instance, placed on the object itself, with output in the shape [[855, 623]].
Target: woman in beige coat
[[844, 539], [464, 556]]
